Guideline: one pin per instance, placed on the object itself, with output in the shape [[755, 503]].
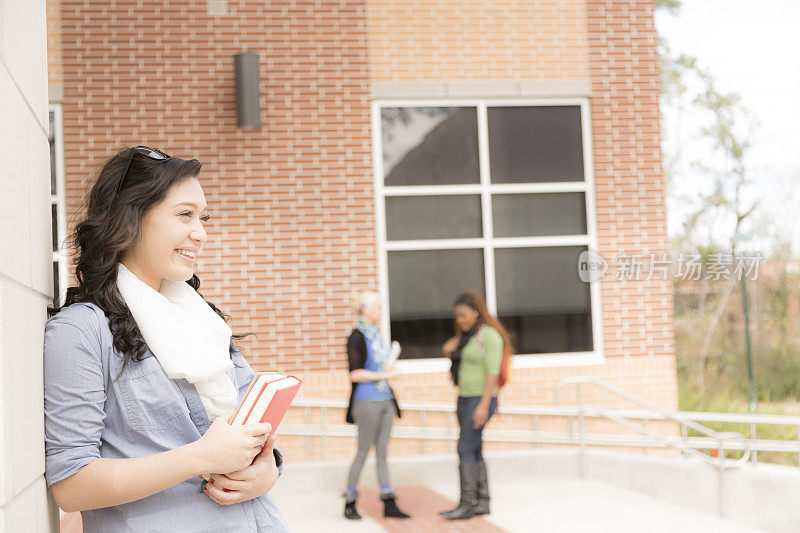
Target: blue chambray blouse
[[88, 415]]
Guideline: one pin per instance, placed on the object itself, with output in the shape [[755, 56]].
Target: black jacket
[[357, 358]]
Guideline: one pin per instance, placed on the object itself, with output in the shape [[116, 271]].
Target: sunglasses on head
[[152, 153]]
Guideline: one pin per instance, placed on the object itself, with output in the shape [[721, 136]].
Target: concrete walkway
[[542, 491], [550, 506]]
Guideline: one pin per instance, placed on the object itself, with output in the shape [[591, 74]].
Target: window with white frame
[[491, 197], [58, 205]]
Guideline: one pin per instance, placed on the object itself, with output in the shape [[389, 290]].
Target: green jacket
[[477, 363]]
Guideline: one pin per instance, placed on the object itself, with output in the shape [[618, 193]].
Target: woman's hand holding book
[[248, 483], [230, 448]]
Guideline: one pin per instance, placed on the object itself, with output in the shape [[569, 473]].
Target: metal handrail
[[646, 438], [663, 414], [538, 437], [413, 405], [721, 463]]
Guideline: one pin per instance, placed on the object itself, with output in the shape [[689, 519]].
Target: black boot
[[482, 507], [390, 509], [469, 489], [350, 511]]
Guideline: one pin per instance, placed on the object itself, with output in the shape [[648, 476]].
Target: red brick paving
[[423, 505]]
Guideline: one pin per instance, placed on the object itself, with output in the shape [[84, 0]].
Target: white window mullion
[[548, 187], [432, 190], [591, 229], [60, 256], [475, 102], [486, 209], [538, 242], [435, 244], [505, 242], [380, 218], [496, 188]]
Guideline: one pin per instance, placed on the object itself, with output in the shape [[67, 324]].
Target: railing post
[[582, 436], [644, 425], [721, 475], [324, 427], [685, 439], [571, 431], [753, 437], [448, 438], [309, 444], [423, 422], [535, 431]]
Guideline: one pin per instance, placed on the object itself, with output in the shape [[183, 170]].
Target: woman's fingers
[[258, 429], [226, 484], [269, 444], [240, 475], [258, 442], [222, 497], [268, 452]]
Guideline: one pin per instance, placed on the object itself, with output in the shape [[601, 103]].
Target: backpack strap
[[479, 340]]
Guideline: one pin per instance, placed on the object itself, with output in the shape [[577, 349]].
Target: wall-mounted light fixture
[[248, 105]]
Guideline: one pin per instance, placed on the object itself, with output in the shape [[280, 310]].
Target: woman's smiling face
[[172, 236]]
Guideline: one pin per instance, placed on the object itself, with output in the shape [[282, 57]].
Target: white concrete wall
[[764, 496], [25, 265]]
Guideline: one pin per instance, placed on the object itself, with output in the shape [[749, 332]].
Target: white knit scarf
[[186, 336]]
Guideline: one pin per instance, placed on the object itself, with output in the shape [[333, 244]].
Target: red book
[[267, 400]]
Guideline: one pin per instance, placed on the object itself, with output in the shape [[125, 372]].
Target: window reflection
[[541, 299], [535, 144], [429, 145], [433, 217], [422, 288], [538, 215]]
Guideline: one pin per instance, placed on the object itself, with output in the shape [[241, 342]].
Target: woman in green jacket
[[476, 352]]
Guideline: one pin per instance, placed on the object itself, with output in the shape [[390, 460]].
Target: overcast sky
[[752, 47]]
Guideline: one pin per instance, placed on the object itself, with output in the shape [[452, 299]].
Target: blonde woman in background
[[373, 406]]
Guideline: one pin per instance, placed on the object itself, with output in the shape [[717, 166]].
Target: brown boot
[[482, 507], [469, 488]]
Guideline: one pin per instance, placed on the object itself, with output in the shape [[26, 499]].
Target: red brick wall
[[292, 233], [629, 182], [630, 204], [435, 40], [618, 50]]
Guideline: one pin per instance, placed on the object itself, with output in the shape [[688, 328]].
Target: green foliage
[[727, 399], [775, 326]]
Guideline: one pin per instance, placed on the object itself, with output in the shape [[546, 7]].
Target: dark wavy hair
[[476, 303], [129, 185]]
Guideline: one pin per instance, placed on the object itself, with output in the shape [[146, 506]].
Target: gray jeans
[[374, 420]]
